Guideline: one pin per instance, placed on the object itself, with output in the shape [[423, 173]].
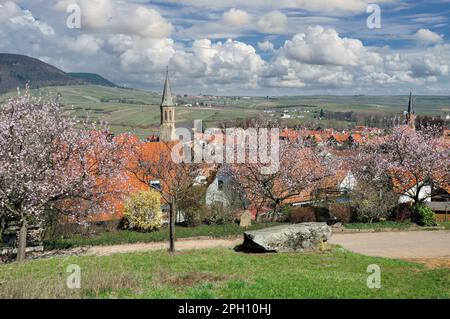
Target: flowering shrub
[[143, 210]]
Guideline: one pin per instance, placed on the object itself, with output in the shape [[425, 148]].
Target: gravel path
[[411, 245], [404, 245]]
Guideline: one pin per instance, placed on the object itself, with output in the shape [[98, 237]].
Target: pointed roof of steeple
[[410, 104], [167, 94]]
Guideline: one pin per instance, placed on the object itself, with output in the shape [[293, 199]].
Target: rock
[[288, 238], [246, 219]]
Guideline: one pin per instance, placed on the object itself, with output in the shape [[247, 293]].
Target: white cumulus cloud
[[272, 22], [265, 46], [428, 36], [235, 17]]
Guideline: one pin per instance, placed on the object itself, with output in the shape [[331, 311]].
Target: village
[[227, 158], [301, 175]]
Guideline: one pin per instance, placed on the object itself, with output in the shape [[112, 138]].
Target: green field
[[223, 273], [135, 111]]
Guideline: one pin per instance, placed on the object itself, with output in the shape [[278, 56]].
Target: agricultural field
[[129, 110]]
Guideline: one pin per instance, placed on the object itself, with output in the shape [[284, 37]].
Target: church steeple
[[167, 130], [167, 94], [410, 104], [410, 115]]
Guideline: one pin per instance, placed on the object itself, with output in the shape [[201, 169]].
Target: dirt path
[[418, 246], [179, 245], [404, 245]]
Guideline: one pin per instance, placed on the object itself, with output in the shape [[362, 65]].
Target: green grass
[[379, 225], [223, 273], [128, 237], [445, 224]]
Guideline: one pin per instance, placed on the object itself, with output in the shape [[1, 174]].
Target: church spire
[[167, 94], [410, 104], [410, 115]]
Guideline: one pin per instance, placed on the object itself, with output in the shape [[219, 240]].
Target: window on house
[[155, 185]]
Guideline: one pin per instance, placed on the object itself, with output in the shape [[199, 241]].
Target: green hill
[[18, 70], [92, 78]]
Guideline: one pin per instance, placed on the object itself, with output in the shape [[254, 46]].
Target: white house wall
[[424, 194], [213, 194]]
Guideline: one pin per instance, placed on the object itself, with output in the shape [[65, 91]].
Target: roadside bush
[[193, 206], [301, 215], [219, 214], [371, 203], [424, 215], [402, 212], [342, 212], [143, 211], [322, 213]]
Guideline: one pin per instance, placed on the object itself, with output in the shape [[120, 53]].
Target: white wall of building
[[213, 194], [424, 194]]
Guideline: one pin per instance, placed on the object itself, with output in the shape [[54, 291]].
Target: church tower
[[167, 130], [411, 115]]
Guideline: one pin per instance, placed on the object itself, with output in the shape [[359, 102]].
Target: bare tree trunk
[[172, 225], [2, 228], [22, 246], [275, 213]]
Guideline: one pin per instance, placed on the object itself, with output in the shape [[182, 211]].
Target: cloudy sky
[[248, 47]]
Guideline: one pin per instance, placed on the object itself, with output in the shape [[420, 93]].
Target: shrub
[[402, 212], [424, 215], [372, 203], [219, 214], [193, 205], [322, 213], [143, 211], [301, 215], [342, 212]]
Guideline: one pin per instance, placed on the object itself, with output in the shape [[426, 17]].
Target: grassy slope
[[223, 273], [142, 115], [128, 237]]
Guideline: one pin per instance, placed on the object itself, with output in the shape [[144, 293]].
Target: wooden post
[[172, 224]]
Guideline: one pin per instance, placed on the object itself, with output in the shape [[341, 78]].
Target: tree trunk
[[22, 246], [172, 213], [2, 228], [275, 213]]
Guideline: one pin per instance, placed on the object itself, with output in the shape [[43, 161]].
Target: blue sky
[[246, 47]]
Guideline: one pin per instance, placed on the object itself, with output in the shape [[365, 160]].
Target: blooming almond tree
[[301, 172], [152, 162], [408, 160], [47, 163]]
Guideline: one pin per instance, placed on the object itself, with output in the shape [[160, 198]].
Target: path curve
[[403, 245]]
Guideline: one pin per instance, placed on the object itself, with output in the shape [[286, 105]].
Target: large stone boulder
[[287, 238]]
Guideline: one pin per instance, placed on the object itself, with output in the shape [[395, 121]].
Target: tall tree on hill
[[48, 164]]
